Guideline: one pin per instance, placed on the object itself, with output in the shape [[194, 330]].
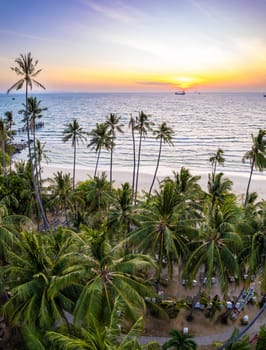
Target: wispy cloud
[[158, 84], [26, 35], [118, 11], [203, 9], [153, 83]]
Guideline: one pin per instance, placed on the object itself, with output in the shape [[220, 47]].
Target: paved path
[[210, 339]]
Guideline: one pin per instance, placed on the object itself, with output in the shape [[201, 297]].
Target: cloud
[[203, 9], [161, 84], [118, 12], [154, 83], [26, 36]]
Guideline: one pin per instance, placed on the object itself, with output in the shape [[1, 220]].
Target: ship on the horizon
[[180, 92]]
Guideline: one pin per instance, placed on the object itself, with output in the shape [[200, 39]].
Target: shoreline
[[123, 174]]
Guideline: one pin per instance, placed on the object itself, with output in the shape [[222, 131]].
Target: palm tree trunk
[[97, 161], [249, 181], [65, 210], [214, 170], [157, 166], [4, 158], [111, 167], [36, 189], [134, 162], [74, 164], [10, 148], [34, 158], [138, 164]]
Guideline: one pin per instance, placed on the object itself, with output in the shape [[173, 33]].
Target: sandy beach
[[122, 174]]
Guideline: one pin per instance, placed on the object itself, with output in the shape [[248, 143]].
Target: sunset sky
[[137, 45]]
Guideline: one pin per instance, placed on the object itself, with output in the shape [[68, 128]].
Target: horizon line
[[131, 92]]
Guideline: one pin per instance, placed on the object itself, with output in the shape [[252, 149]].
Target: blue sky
[[85, 45]]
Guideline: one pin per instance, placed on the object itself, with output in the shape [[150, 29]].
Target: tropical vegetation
[[96, 267]]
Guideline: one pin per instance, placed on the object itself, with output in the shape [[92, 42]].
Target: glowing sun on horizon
[[185, 82]]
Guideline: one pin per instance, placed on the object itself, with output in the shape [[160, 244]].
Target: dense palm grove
[[82, 263]]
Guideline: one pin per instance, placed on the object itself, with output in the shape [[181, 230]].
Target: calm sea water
[[201, 122]]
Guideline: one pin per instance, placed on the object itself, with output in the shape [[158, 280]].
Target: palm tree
[[216, 158], [99, 335], [132, 124], [98, 194], [101, 138], [61, 194], [216, 247], [76, 134], [160, 231], [190, 194], [256, 242], [180, 341], [23, 188], [26, 70], [121, 216], [38, 276], [256, 156], [9, 227], [113, 125], [143, 126], [41, 155], [164, 134], [9, 122], [219, 188], [34, 111], [109, 274]]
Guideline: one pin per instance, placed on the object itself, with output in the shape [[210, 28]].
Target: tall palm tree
[[216, 158], [132, 124], [143, 126], [101, 138], [180, 341], [164, 133], [41, 155], [10, 122], [74, 132], [256, 156], [113, 125], [34, 112], [27, 70]]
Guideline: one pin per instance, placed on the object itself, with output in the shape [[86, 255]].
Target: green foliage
[[180, 341], [99, 336], [261, 341]]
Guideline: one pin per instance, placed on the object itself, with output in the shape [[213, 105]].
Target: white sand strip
[[122, 174]]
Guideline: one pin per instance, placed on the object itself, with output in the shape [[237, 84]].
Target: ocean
[[202, 122]]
